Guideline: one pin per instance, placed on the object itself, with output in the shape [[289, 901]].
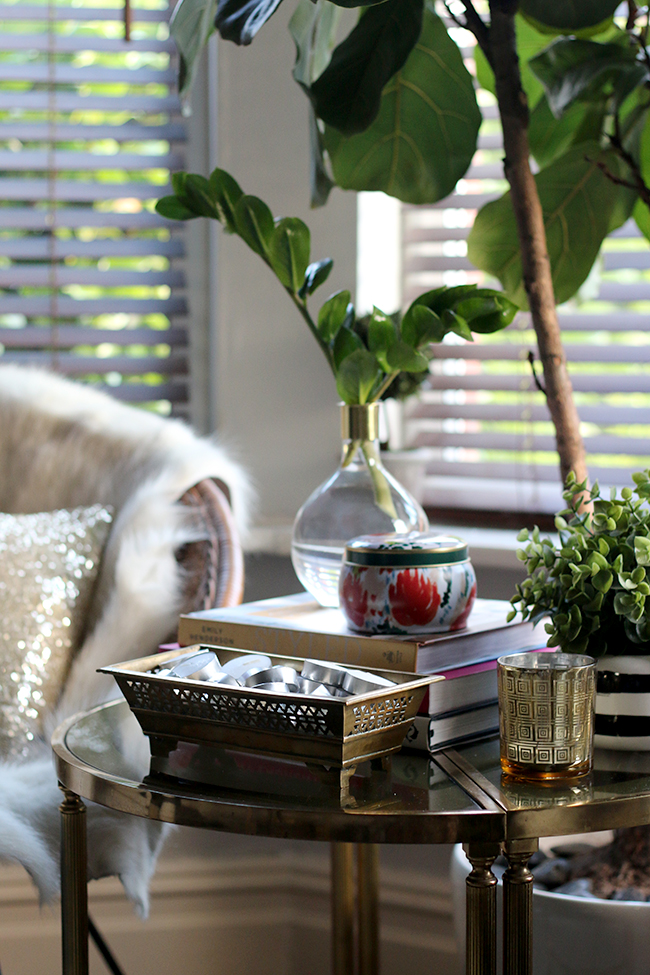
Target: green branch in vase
[[366, 354]]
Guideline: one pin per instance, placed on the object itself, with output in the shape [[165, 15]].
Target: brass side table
[[456, 796]]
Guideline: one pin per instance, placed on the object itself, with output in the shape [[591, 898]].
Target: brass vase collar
[[360, 422]]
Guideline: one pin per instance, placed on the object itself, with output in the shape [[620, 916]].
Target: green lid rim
[[412, 559]]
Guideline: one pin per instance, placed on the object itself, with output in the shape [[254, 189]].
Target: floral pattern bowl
[[417, 582]]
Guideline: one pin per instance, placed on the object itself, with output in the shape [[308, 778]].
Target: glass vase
[[360, 498]]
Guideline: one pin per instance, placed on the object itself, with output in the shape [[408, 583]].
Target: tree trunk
[[500, 42]]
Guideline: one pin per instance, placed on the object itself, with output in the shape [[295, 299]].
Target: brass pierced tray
[[335, 732]]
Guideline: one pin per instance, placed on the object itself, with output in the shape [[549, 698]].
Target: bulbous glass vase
[[360, 498]]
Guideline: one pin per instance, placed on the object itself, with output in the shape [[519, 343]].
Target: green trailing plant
[[594, 582], [367, 355]]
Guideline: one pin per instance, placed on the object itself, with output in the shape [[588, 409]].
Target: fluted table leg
[[74, 890], [368, 907], [518, 908], [481, 918], [342, 859]]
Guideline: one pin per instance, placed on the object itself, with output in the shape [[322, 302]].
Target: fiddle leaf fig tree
[[366, 355], [393, 108]]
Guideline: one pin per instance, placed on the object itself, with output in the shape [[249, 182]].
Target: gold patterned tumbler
[[546, 714]]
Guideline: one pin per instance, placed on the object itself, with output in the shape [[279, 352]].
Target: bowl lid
[[406, 549]]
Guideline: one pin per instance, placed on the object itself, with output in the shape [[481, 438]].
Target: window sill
[[494, 548]]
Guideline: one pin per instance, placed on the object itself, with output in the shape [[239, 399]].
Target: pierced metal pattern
[[242, 710], [334, 732], [373, 715]]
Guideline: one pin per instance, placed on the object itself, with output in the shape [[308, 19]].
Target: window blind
[[483, 421], [91, 278]]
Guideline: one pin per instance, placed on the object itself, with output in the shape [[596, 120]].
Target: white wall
[[268, 386]]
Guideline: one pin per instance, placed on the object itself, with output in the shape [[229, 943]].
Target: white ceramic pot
[[623, 704], [572, 935]]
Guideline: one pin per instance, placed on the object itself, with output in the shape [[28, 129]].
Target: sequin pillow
[[48, 566]]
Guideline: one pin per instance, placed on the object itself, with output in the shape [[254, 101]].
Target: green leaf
[[603, 580], [320, 181], [356, 376], [332, 315], [254, 223], [382, 336], [240, 20], [572, 69], [401, 356], [172, 208], [316, 274], [581, 206], [424, 137], [641, 216], [420, 326], [345, 344], [197, 194], [313, 28], [642, 549], [347, 95], [641, 213], [226, 194], [191, 25], [289, 252], [569, 16], [551, 138], [454, 323], [486, 311]]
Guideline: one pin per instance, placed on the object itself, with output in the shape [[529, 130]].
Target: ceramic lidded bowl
[[417, 582]]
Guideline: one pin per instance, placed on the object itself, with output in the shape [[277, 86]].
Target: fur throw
[[64, 445]]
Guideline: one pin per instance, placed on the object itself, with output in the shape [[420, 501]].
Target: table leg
[[342, 858], [518, 908], [481, 902], [368, 908], [74, 889]]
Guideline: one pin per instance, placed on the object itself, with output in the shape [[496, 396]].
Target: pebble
[[552, 872], [628, 894], [582, 887], [572, 849]]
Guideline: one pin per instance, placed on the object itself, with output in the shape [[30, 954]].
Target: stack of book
[[457, 709]]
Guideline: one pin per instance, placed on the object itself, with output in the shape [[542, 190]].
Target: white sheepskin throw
[[65, 445]]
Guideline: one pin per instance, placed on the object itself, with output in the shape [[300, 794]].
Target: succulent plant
[[592, 583]]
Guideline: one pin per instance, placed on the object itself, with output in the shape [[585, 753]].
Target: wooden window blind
[[91, 278], [483, 422]]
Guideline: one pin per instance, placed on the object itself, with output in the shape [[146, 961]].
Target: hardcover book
[[463, 688], [429, 734], [298, 626]]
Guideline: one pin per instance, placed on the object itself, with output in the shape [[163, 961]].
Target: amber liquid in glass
[[540, 773]]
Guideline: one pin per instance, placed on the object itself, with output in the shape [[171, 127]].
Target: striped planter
[[623, 703]]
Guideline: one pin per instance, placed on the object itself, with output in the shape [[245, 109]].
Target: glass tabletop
[[616, 793], [104, 756]]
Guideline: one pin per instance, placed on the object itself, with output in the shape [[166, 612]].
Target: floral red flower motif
[[461, 619], [414, 600], [354, 600]]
